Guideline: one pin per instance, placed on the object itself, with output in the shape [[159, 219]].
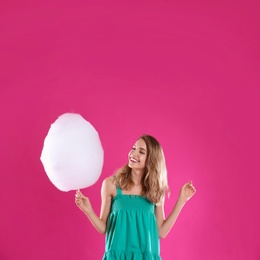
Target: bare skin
[[108, 191], [137, 157]]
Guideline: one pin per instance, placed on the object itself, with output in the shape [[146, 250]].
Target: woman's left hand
[[187, 191]]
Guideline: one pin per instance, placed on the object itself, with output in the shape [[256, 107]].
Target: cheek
[[144, 160]]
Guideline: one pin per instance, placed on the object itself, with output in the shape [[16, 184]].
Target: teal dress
[[132, 232]]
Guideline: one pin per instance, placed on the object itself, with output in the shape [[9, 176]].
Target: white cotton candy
[[72, 154]]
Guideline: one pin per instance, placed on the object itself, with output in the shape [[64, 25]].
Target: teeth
[[133, 159]]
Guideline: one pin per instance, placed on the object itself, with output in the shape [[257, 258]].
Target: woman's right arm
[[108, 191]]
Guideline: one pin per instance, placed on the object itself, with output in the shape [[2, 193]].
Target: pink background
[[186, 72]]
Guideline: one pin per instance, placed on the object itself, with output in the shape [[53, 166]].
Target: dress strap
[[118, 191]]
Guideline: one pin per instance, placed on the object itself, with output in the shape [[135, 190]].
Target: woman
[[132, 209]]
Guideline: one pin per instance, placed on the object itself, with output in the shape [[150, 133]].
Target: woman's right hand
[[83, 202]]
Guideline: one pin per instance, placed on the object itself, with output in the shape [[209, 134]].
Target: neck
[[137, 176]]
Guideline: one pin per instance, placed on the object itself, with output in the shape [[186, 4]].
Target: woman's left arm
[[165, 225]]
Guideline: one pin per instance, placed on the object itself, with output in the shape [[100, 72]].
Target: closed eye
[[142, 151]]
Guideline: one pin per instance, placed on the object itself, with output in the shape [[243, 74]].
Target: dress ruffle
[[122, 255]]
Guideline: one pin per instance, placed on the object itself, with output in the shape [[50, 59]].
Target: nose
[[133, 153]]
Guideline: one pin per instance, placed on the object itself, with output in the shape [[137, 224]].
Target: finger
[[190, 184], [78, 194], [78, 202], [192, 189]]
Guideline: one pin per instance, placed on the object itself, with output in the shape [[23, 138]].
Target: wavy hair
[[154, 181]]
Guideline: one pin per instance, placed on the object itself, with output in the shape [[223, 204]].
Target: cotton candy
[[72, 153]]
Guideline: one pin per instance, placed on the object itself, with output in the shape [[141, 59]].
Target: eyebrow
[[140, 148]]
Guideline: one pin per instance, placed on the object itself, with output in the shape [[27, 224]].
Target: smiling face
[[137, 155]]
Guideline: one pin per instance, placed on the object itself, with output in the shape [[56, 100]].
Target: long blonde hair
[[154, 181]]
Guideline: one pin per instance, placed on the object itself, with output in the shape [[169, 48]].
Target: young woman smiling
[[132, 209]]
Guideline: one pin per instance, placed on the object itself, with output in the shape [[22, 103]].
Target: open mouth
[[133, 160]]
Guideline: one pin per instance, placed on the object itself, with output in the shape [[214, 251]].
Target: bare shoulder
[[109, 181], [108, 186]]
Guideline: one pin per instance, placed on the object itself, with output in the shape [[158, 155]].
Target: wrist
[[181, 201], [87, 212]]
